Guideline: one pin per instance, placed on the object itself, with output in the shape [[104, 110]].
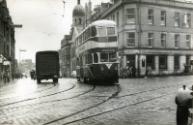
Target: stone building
[[65, 56], [155, 36], [7, 41], [67, 51]]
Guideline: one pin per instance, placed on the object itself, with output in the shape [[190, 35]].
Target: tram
[[97, 52]]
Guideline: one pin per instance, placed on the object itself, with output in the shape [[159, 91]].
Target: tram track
[[91, 107], [115, 95], [57, 100], [115, 109], [34, 98], [31, 105]]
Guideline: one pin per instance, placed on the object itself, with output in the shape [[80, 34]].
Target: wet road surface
[[144, 101]]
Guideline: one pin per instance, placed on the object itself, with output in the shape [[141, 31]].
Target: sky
[[45, 22]]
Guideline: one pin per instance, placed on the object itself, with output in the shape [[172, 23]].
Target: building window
[[130, 14], [150, 61], [177, 19], [187, 20], [176, 62], [131, 39], [163, 62], [163, 39], [163, 18], [150, 16], [113, 17], [188, 41], [150, 39], [177, 40]]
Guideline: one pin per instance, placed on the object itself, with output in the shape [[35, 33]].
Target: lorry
[[47, 66]]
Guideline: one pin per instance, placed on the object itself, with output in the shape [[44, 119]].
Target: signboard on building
[[6, 63]]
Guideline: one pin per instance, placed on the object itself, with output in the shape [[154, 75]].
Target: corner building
[[155, 36]]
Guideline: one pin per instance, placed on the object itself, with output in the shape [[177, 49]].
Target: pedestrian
[[133, 71], [183, 100]]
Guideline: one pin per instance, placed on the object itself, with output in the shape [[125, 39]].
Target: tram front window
[[95, 58], [101, 31], [104, 57], [111, 31], [112, 57]]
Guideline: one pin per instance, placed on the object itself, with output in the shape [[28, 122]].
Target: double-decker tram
[[96, 53]]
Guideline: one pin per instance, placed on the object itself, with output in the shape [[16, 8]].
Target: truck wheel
[[55, 80], [38, 81]]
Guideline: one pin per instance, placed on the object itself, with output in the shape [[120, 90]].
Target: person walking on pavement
[[183, 100]]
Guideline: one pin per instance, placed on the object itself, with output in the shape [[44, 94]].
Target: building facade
[[65, 56], [7, 41], [67, 51], [155, 36]]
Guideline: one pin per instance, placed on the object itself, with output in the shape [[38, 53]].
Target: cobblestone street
[[144, 101]]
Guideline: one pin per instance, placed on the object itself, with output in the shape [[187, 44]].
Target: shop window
[[163, 62], [176, 62], [150, 60], [187, 60]]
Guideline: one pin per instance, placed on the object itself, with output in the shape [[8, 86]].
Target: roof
[[78, 11]]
